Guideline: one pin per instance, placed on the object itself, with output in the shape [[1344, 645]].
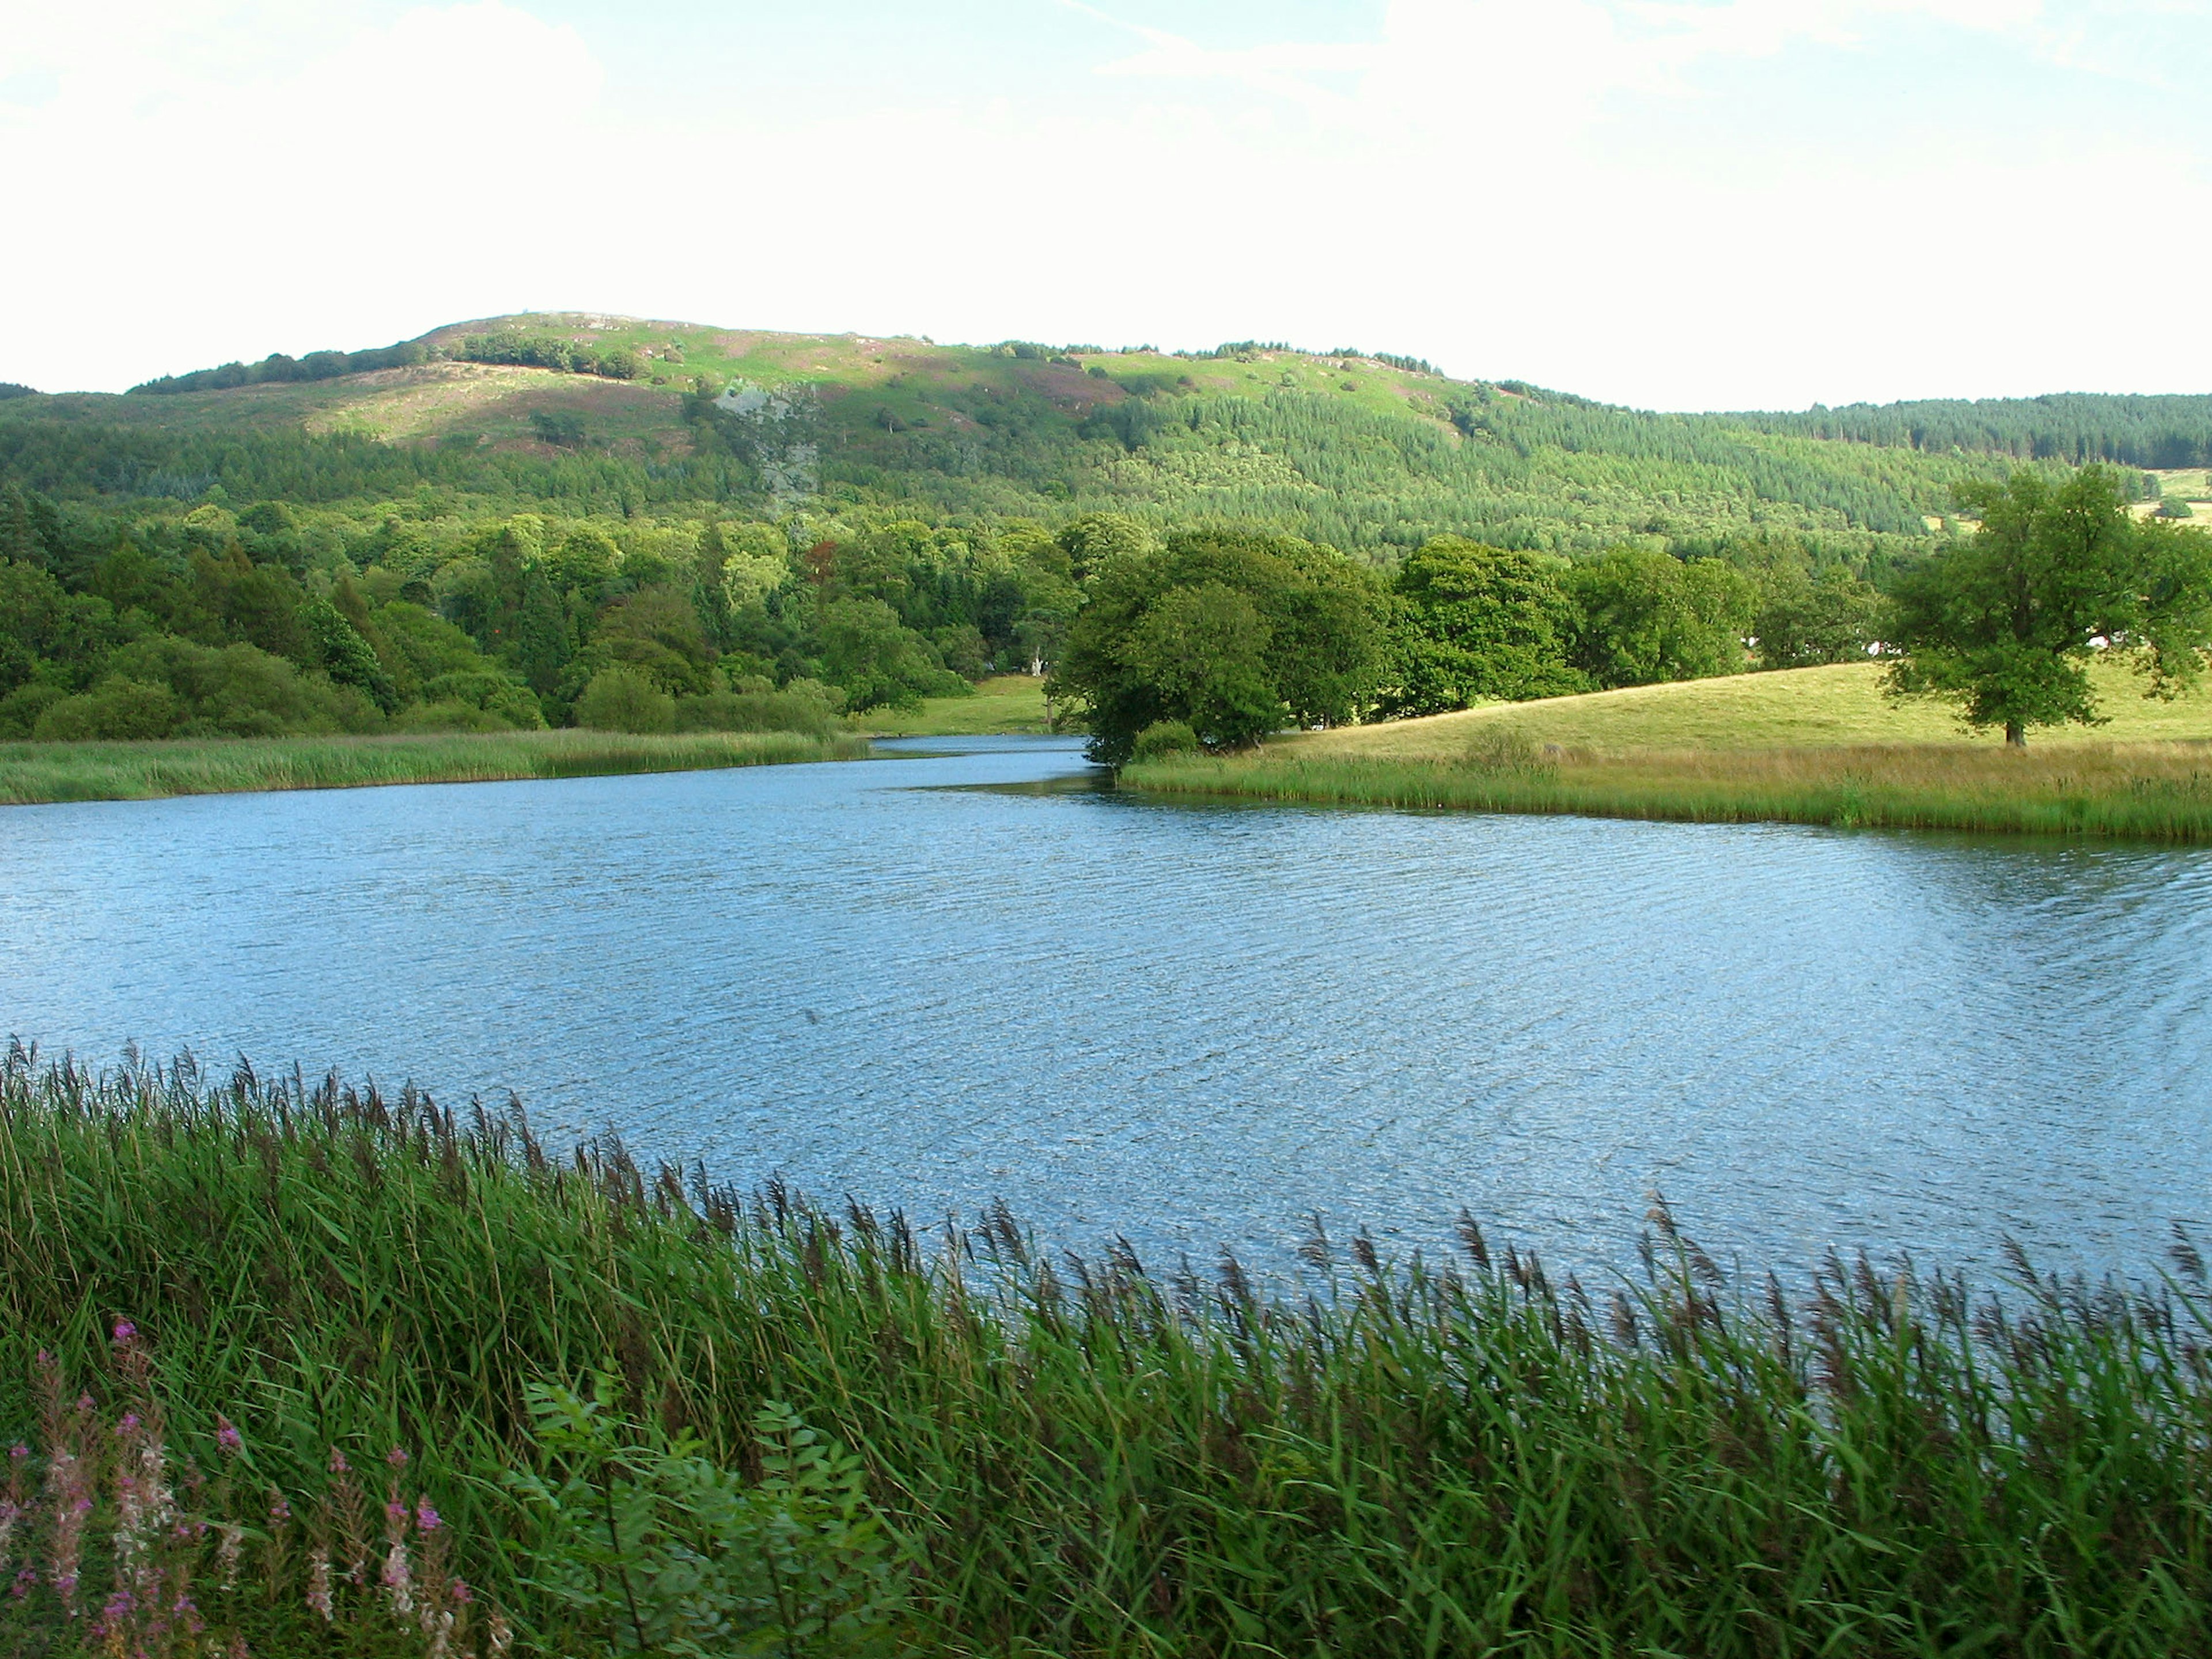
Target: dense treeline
[[2075, 427], [504, 346], [315, 366], [1219, 636], [69, 460], [440, 615], [551, 352]]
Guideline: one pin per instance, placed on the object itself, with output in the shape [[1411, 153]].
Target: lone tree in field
[[2006, 625]]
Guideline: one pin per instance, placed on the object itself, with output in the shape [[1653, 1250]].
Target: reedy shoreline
[[1082, 1459], [2136, 791], [46, 773]]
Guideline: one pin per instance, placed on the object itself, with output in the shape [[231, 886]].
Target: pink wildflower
[[462, 1593], [426, 1518], [396, 1457], [226, 1437], [339, 1465], [124, 1330], [399, 1580], [318, 1583]]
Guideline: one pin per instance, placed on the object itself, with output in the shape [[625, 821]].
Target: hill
[[1370, 453]]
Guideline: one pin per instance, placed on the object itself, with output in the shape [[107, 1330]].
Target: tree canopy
[[2004, 624], [1233, 633]]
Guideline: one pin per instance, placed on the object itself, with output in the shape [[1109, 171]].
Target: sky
[[1672, 203]]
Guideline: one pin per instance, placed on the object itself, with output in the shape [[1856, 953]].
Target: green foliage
[[1647, 616], [344, 655], [1480, 623], [877, 661], [1805, 618], [2075, 429], [1231, 633], [1162, 738], [657, 1550], [116, 708], [551, 351], [621, 698], [2004, 625], [1439, 1456], [2174, 507], [315, 366]]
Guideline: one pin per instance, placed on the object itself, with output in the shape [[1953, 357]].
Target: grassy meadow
[[1070, 1457], [1004, 705], [1811, 745], [35, 773]]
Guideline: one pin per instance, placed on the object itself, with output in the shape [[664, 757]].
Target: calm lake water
[[943, 979]]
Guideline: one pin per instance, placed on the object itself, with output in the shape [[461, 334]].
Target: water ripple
[[1191, 1024]]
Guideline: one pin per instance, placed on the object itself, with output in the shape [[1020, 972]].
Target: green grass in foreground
[[45, 772], [1815, 745], [1443, 1458], [1004, 704]]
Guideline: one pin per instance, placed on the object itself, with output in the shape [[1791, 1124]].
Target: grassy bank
[[2154, 792], [43, 772], [1080, 1459], [1815, 746], [1004, 705]]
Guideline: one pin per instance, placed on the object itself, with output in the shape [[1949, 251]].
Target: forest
[[435, 612], [657, 527]]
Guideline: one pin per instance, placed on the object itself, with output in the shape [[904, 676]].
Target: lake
[[970, 972]]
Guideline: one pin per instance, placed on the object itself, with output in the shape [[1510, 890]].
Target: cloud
[[1625, 200]]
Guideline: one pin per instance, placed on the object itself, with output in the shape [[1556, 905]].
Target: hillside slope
[[1366, 452]]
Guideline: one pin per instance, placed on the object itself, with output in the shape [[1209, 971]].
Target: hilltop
[[1371, 452]]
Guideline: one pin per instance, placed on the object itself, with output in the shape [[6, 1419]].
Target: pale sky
[[1676, 204]]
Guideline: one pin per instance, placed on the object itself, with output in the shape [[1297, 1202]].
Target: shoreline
[[52, 773], [2155, 792]]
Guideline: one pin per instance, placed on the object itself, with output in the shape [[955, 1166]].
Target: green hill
[[1369, 452]]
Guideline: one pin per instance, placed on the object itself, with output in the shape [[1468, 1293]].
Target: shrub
[[755, 711], [620, 699], [115, 708], [662, 1550], [21, 709], [1163, 738]]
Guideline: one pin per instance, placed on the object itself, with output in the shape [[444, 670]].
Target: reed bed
[[38, 773], [1084, 1457], [2140, 791]]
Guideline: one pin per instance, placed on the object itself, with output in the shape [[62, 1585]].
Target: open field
[[32, 772], [1797, 706], [1071, 1460], [1004, 704], [1813, 746]]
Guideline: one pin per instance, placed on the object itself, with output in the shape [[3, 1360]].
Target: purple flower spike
[[396, 1457], [339, 1465], [129, 1424], [462, 1592], [227, 1437], [19, 1451], [124, 1330], [426, 1518]]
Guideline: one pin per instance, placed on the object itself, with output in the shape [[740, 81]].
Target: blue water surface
[[949, 977]]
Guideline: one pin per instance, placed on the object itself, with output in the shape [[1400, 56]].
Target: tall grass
[[44, 772], [2152, 792], [1084, 1458]]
